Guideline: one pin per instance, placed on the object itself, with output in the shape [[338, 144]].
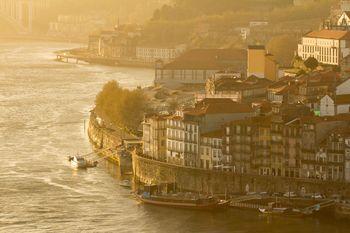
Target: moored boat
[[177, 201], [80, 162], [125, 184], [342, 211]]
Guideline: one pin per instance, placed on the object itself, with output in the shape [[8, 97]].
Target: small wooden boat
[[342, 211], [80, 162], [175, 201], [273, 210], [125, 184]]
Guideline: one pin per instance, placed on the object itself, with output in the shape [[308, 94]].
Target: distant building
[[94, 43], [114, 44], [196, 66], [165, 54], [302, 2], [76, 26], [261, 64], [327, 46], [230, 85]]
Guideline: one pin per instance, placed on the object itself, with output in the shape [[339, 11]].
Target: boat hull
[[183, 205], [342, 211]]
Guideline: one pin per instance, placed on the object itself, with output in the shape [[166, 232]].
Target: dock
[[255, 202]]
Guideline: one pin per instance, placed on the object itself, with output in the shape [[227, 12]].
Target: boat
[[273, 210], [125, 184], [342, 211], [276, 209], [80, 162], [181, 201]]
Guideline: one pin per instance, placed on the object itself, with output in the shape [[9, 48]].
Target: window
[[238, 129]]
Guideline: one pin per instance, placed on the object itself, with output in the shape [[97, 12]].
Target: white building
[[331, 106], [344, 19], [211, 150], [152, 54], [182, 141], [327, 46], [334, 106]]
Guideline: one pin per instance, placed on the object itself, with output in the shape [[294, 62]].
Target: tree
[[122, 107]]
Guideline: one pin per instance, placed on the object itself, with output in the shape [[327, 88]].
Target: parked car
[[290, 194]]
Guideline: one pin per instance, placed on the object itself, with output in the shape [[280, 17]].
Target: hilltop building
[[327, 46]]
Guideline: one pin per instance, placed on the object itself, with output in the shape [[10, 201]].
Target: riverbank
[[211, 182], [109, 141], [15, 37], [83, 54], [218, 182]]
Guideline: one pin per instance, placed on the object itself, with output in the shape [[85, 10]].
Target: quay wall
[[148, 171], [219, 182], [103, 139]]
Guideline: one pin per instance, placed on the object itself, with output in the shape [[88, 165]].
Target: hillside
[[218, 24]]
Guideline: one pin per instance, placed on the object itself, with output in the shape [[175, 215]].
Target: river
[[43, 105]]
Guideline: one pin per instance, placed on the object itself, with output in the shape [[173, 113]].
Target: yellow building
[[261, 64], [271, 67]]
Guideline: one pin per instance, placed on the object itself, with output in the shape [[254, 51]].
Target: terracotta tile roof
[[209, 59], [342, 131], [175, 117], [260, 47], [258, 120], [236, 84], [329, 34], [218, 106], [342, 99], [316, 119], [213, 134]]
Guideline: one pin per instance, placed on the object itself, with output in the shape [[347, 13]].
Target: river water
[[43, 105]]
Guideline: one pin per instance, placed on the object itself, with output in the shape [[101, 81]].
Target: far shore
[[17, 37]]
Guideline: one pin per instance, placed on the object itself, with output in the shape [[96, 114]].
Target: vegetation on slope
[[181, 21], [122, 107]]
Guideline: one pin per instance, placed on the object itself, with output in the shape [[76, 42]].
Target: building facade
[[327, 46], [165, 54], [155, 137], [196, 66]]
